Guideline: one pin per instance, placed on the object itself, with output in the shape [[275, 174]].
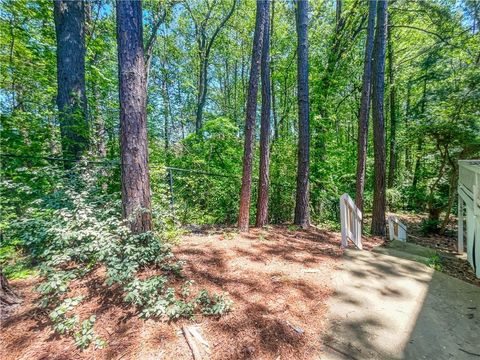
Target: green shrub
[[76, 227], [429, 226], [435, 262]]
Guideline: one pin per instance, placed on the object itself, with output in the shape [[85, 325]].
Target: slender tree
[[274, 106], [263, 178], [69, 16], [204, 46], [365, 106], [133, 120], [338, 13], [303, 167], [418, 159], [378, 89], [392, 164], [245, 194], [159, 17]]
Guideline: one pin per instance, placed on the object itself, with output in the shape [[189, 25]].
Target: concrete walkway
[[386, 307]]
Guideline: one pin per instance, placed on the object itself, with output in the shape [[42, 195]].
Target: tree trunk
[[378, 89], [235, 92], [416, 172], [365, 107], [302, 217], [167, 109], [452, 195], [244, 211], [408, 160], [8, 298], [69, 18], [202, 94], [166, 136], [338, 14], [101, 132], [204, 49], [133, 121], [393, 113], [274, 104], [263, 178]]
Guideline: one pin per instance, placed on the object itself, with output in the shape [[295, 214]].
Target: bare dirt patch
[[278, 279]]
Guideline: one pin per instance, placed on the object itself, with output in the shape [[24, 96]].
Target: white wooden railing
[[396, 229], [351, 221]]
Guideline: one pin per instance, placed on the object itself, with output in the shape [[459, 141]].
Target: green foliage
[[213, 197], [395, 200], [429, 226], [76, 227], [13, 263], [436, 77], [216, 305], [435, 262], [85, 335]]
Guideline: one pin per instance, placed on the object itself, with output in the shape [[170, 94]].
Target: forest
[[155, 153]]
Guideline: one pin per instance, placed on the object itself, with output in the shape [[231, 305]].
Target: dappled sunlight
[[387, 307], [278, 280], [278, 304]]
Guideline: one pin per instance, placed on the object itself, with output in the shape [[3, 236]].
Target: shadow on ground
[[385, 307], [278, 280]]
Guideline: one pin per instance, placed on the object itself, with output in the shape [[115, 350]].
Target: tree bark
[[451, 199], [101, 133], [136, 198], [167, 109], [338, 14], [408, 160], [69, 16], [393, 113], [274, 106], [166, 136], [263, 178], [302, 216], [378, 89], [8, 298], [244, 211], [365, 107]]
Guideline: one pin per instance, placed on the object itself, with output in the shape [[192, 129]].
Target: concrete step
[[407, 251]]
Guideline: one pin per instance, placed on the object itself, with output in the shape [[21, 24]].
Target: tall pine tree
[[69, 16], [378, 90], [302, 217], [136, 198]]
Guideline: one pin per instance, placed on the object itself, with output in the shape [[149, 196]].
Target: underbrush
[[74, 227]]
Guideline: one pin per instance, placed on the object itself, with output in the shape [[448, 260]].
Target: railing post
[[391, 234], [343, 220], [350, 218]]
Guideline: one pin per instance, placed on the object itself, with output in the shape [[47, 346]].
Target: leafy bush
[[429, 226], [75, 228], [395, 199], [435, 262]]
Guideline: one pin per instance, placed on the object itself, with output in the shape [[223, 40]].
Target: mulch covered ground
[[278, 279]]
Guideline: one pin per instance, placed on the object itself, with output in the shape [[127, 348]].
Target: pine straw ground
[[277, 278]]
